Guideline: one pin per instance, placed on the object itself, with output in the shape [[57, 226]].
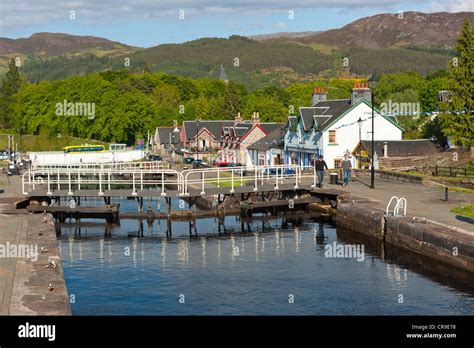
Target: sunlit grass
[[466, 210]]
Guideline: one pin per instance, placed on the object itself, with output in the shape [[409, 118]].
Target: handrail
[[399, 203], [141, 177]]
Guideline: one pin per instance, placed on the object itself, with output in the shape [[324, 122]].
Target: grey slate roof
[[402, 148], [164, 135], [323, 113], [292, 120], [271, 126], [214, 127], [272, 140]]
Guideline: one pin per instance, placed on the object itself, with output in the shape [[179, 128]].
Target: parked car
[[237, 165], [13, 169], [273, 171], [155, 158], [222, 164], [200, 164], [188, 160]]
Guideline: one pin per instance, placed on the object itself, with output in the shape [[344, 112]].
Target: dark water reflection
[[250, 267]]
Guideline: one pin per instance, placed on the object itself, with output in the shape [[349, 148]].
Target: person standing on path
[[320, 165], [346, 167]]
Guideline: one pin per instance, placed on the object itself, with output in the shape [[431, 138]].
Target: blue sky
[[147, 23]]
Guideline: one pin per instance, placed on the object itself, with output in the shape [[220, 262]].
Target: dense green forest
[[128, 104], [248, 62]]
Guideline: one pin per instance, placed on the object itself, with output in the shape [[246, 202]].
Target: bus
[[84, 148]]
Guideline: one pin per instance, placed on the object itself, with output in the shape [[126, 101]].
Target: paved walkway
[[423, 201], [12, 230]]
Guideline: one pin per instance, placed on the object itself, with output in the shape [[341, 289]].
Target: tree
[[270, 108], [458, 124], [231, 101], [10, 86]]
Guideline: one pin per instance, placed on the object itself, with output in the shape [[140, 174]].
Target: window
[[332, 137], [337, 163]]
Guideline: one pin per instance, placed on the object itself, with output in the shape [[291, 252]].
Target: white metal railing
[[142, 176], [240, 176]]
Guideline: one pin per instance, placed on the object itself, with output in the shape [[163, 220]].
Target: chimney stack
[[319, 94], [237, 118], [361, 91], [255, 118]]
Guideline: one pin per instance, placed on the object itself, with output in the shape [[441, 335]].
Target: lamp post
[[359, 123], [372, 84]]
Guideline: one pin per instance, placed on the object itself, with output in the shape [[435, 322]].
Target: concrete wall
[[367, 221], [428, 239], [438, 242]]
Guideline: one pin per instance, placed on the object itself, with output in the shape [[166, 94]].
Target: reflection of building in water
[[134, 257], [256, 245], [101, 250], [203, 250], [297, 240], [71, 245], [319, 237], [164, 246], [277, 242], [233, 250], [218, 249], [183, 250], [109, 243], [396, 274]]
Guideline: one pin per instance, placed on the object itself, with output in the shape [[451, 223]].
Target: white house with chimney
[[333, 128]]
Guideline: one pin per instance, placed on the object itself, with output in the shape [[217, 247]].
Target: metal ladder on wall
[[400, 203]]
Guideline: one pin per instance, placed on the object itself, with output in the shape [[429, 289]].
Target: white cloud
[[30, 13], [280, 25], [452, 6]]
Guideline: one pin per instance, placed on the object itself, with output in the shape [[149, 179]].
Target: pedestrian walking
[[346, 167], [320, 166]]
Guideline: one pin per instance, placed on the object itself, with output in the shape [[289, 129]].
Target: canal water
[[264, 267]]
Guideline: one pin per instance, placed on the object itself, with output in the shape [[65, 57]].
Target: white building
[[332, 128]]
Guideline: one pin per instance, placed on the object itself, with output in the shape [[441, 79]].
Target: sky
[[146, 23]]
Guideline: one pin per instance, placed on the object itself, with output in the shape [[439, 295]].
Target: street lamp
[[372, 84], [359, 123]]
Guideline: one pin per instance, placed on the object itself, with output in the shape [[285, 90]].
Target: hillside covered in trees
[[128, 105], [254, 64]]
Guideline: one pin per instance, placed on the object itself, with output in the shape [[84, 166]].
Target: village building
[[166, 138], [268, 150], [238, 137], [203, 137], [396, 154], [333, 128]]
